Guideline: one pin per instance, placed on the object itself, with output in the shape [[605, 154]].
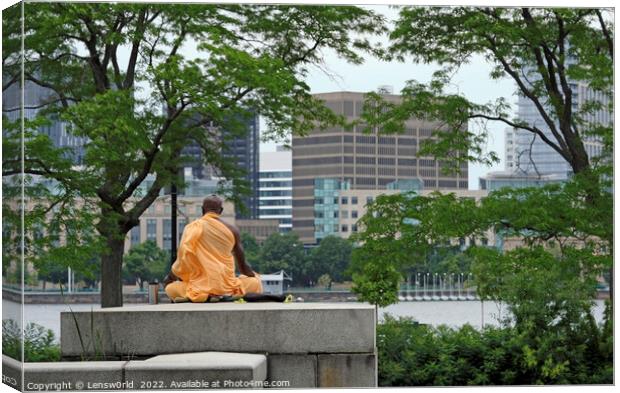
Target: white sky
[[472, 80]]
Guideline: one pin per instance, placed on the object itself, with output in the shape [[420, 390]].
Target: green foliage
[[560, 239], [548, 284], [325, 281], [249, 59], [542, 291], [411, 354], [284, 251], [332, 257], [146, 262], [377, 284], [39, 343], [543, 50], [251, 248]]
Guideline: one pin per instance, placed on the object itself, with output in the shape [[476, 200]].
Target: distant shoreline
[[142, 297]]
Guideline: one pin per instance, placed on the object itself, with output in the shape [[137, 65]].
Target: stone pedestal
[[306, 344]]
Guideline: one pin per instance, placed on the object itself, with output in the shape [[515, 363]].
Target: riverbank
[[33, 297]]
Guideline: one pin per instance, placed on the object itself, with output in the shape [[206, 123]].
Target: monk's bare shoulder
[[231, 227]]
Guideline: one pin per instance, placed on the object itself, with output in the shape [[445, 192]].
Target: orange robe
[[205, 263]]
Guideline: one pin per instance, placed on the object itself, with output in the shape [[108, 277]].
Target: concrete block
[[200, 370], [11, 372], [293, 328], [95, 375], [347, 370], [299, 370]]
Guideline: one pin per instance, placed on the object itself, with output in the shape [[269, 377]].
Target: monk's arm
[[171, 277], [242, 265]]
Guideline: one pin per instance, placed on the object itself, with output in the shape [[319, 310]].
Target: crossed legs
[[178, 289]]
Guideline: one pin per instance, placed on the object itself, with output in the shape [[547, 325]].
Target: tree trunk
[[111, 275]]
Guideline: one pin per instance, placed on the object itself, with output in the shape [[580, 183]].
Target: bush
[[411, 354], [39, 342]]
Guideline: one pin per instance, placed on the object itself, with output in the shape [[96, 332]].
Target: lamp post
[[173, 223]]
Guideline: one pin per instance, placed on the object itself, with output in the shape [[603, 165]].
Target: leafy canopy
[[139, 82]]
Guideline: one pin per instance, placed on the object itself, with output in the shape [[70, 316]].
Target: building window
[[344, 214], [354, 200], [135, 235], [167, 234], [182, 224], [345, 228], [354, 228], [344, 200], [353, 213], [151, 229], [369, 200]]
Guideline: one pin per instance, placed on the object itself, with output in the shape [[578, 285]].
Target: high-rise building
[[243, 149], [325, 162], [532, 156], [509, 149], [276, 188], [56, 130]]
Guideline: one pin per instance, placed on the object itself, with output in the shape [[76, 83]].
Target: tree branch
[[139, 33], [149, 157], [608, 38], [534, 130], [529, 95]]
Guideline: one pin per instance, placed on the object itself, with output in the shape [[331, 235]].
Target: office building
[[241, 147], [56, 130], [325, 162], [531, 155], [276, 188]]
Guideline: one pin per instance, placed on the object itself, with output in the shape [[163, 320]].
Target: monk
[[205, 264]]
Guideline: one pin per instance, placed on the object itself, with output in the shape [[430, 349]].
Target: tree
[[121, 76], [146, 262], [547, 53], [54, 273], [548, 283], [332, 257], [324, 281], [250, 248], [284, 251]]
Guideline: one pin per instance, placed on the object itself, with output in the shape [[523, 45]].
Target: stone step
[[201, 370]]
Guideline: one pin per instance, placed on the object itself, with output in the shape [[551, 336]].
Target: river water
[[451, 313]]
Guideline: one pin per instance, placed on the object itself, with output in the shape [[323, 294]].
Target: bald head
[[212, 203]]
